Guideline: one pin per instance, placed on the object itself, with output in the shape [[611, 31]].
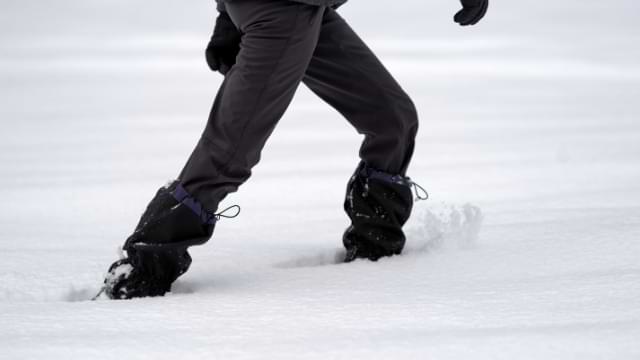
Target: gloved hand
[[224, 45], [472, 11]]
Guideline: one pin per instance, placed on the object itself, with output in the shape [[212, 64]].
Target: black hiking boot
[[378, 204], [157, 250]]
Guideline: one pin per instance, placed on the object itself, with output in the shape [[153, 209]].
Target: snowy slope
[[529, 146]]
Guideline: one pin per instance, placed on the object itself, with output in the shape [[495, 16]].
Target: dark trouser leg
[[277, 44], [347, 75], [278, 41]]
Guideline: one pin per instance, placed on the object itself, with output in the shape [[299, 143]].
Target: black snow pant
[[285, 43]]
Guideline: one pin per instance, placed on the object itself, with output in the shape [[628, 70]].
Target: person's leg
[[346, 74], [278, 40]]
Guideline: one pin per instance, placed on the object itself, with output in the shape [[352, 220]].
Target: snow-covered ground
[[529, 145]]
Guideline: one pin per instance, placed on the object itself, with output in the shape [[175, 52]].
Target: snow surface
[[529, 146]]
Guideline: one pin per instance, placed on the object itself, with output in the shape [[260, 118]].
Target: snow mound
[[444, 226]]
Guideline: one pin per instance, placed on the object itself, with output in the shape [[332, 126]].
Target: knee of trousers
[[401, 118], [409, 117]]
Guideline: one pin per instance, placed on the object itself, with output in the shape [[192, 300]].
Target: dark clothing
[[157, 250], [285, 43], [378, 204], [329, 3]]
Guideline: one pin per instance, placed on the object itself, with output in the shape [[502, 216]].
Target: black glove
[[472, 11], [224, 45]]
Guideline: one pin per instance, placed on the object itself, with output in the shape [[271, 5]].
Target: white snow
[[529, 147]]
